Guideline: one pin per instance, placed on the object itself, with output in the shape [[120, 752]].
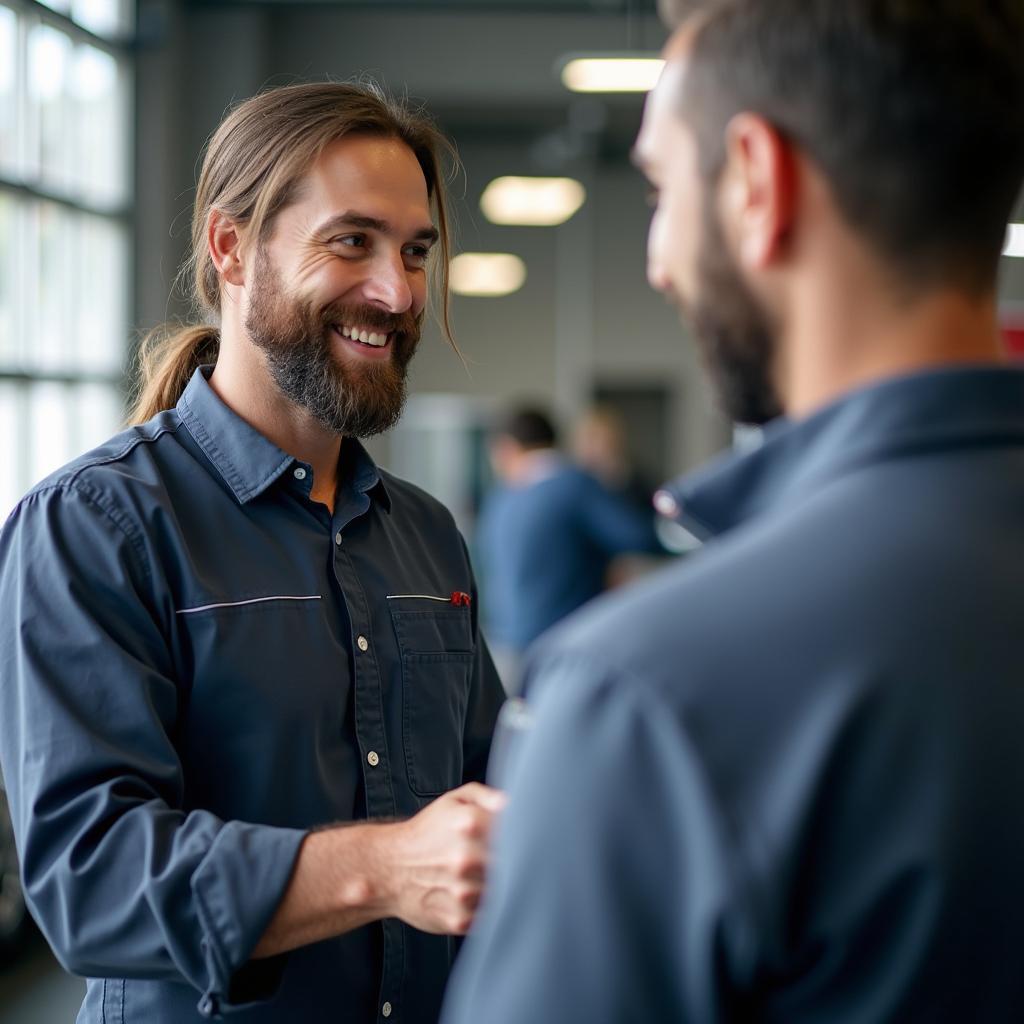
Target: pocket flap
[[433, 631]]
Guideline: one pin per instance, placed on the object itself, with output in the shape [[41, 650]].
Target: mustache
[[372, 317]]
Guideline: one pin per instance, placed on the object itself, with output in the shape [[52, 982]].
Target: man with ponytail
[[245, 707]]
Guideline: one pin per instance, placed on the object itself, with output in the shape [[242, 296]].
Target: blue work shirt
[[784, 780], [545, 547], [198, 664]]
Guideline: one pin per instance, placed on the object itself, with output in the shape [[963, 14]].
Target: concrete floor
[[34, 989]]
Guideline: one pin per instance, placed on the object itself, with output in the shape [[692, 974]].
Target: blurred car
[[13, 913]]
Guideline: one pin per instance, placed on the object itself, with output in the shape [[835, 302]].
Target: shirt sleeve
[[122, 880], [486, 696], [610, 896]]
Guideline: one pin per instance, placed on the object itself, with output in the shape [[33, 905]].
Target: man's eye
[[418, 253], [350, 241]]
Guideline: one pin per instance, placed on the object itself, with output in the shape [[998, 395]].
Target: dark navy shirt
[[545, 548], [198, 663], [784, 780]]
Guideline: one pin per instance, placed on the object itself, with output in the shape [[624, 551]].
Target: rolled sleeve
[[122, 878]]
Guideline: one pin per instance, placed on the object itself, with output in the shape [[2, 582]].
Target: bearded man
[[231, 642], [783, 781]]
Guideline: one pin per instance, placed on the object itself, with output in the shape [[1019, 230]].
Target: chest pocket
[[436, 646]]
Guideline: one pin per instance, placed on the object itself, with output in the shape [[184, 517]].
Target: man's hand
[[435, 863], [428, 871]]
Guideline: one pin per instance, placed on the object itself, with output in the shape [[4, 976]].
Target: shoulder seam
[[133, 442], [99, 501]]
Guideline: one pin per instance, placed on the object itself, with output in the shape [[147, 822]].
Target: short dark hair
[[529, 427], [912, 109]]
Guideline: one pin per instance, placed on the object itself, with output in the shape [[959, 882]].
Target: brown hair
[[253, 165]]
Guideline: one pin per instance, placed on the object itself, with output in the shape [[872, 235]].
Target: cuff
[[237, 888]]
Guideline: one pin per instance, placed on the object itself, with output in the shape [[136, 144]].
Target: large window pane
[[109, 18], [49, 73], [51, 244], [99, 96], [99, 414], [64, 260], [9, 348], [8, 90], [12, 470], [49, 429], [100, 330]]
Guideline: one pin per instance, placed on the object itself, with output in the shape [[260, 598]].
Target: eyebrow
[[351, 219]]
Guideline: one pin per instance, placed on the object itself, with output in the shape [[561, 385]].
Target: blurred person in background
[[230, 641], [783, 780], [546, 537], [600, 446]]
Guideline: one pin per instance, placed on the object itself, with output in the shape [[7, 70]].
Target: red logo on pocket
[[460, 597]]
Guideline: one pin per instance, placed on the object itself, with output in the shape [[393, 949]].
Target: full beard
[[736, 336], [347, 398]]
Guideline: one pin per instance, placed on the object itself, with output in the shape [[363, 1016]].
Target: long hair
[[253, 164]]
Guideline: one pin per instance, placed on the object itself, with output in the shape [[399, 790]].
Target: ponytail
[[167, 362]]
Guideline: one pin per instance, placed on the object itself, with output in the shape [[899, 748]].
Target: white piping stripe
[[238, 604], [421, 597]]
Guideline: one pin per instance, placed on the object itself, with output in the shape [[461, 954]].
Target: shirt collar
[[935, 410], [248, 462]]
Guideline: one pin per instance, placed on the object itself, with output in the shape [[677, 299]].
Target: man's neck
[[242, 382], [844, 338]]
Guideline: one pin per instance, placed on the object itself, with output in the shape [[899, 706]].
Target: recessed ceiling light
[[611, 73], [487, 274], [532, 201]]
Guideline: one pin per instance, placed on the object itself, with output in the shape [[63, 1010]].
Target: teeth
[[366, 337]]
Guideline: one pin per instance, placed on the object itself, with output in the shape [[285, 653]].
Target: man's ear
[[224, 240], [758, 193]]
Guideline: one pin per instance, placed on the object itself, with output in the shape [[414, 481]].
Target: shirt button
[[299, 473], [337, 538], [385, 1010], [374, 760], [362, 643]]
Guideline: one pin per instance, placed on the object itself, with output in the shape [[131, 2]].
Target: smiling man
[[783, 781], [230, 642]]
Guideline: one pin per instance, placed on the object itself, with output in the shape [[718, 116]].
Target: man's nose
[[656, 276], [387, 285]]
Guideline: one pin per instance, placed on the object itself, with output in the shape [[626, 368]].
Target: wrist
[[365, 868]]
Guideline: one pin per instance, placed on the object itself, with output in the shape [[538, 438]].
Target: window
[[65, 220]]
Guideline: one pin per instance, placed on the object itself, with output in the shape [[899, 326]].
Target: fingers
[[492, 800]]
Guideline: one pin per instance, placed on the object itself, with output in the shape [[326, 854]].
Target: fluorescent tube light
[[611, 73], [1015, 241], [489, 274], [532, 201]]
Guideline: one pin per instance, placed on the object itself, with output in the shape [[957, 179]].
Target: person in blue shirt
[[244, 700], [547, 536], [782, 781]]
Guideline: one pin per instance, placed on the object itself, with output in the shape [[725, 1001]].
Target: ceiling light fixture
[[487, 274], [532, 201], [1015, 241], [609, 72]]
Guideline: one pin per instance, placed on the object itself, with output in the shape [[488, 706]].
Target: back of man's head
[[912, 109], [528, 427]]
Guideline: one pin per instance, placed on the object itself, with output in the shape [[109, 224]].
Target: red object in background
[[1012, 320], [1015, 340]]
